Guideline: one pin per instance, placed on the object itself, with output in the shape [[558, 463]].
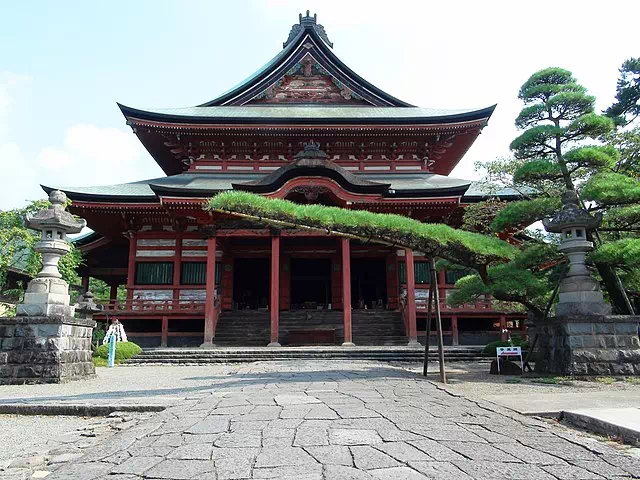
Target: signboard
[[509, 352]]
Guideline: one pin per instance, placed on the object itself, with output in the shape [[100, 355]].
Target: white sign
[[509, 352]]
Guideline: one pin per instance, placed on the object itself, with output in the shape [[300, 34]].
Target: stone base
[[589, 345], [45, 349]]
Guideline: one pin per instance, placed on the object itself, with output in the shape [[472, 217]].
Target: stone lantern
[[583, 338], [579, 292], [48, 293]]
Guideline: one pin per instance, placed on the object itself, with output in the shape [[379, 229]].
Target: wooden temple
[[306, 128]]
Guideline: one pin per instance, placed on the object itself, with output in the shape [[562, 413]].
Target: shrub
[[490, 348], [124, 351]]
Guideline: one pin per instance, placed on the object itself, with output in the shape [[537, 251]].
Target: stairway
[[185, 356], [252, 327]]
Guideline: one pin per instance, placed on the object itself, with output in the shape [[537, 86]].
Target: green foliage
[[590, 125], [102, 290], [490, 348], [627, 144], [523, 213], [537, 141], [626, 108], [537, 170], [124, 351], [478, 216], [624, 252], [612, 189], [98, 334], [594, 157], [439, 240]]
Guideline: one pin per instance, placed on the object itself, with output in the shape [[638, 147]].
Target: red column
[[411, 298], [454, 330], [113, 292], [274, 306], [131, 269], [210, 311], [345, 247], [165, 332], [503, 326], [85, 283]]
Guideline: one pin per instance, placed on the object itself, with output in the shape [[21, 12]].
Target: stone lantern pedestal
[[584, 338], [47, 341]]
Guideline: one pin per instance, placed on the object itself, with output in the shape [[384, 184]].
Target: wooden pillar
[[131, 267], [274, 305], [412, 332], [177, 268], [503, 327], [165, 331], [345, 248], [85, 283], [113, 292], [210, 311], [454, 330]]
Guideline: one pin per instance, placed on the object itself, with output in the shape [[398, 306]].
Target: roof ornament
[[311, 149], [307, 22]]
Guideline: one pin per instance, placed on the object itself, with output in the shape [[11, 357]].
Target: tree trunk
[[612, 286]]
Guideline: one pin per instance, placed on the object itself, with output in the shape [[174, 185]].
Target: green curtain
[[154, 273], [195, 273], [421, 272]]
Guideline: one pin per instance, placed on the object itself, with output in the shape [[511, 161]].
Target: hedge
[[124, 351], [490, 348]]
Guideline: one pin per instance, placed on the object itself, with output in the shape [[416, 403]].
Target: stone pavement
[[341, 420]]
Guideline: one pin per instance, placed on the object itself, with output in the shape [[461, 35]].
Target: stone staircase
[[252, 327], [178, 356]]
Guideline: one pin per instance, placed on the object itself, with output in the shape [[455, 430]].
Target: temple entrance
[[310, 282], [251, 283], [368, 283]]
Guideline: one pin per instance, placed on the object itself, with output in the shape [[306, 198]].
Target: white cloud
[[53, 159]]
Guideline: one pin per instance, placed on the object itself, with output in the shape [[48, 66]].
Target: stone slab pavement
[[341, 420], [623, 423]]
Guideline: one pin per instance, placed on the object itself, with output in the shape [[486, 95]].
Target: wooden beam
[[274, 305]]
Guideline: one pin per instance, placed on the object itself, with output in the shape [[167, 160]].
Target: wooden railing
[[154, 306]]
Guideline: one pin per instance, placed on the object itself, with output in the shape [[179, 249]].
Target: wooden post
[[113, 292], [503, 327], [455, 340], [274, 306], [131, 267], [210, 311], [411, 299], [165, 331], [427, 342], [436, 299], [345, 247], [177, 268], [85, 283]]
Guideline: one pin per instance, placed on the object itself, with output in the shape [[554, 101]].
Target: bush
[[124, 351], [490, 348]]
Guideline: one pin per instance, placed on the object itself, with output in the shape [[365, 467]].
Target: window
[[154, 273], [452, 276], [421, 272], [195, 273]]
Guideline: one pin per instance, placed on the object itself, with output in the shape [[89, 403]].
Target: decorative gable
[[308, 82]]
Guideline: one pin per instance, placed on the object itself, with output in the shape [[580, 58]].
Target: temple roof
[[397, 184], [316, 114]]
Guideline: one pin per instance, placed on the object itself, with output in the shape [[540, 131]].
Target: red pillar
[[131, 267], [210, 311], [345, 247], [411, 298], [165, 332], [274, 305], [454, 330], [85, 283], [113, 292]]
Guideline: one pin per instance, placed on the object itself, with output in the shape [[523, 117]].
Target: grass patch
[[100, 362], [553, 380], [605, 380], [513, 380], [633, 380], [458, 246]]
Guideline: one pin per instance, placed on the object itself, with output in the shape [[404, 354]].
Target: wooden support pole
[[412, 332], [210, 311], [346, 291], [165, 331], [427, 342], [274, 306], [455, 339], [503, 328], [131, 267], [85, 283], [113, 292], [436, 300]]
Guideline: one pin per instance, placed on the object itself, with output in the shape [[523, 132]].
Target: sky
[[65, 64]]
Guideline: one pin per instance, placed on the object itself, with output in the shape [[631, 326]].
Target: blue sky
[[65, 64]]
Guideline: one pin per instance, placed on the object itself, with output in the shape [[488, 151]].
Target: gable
[[308, 82]]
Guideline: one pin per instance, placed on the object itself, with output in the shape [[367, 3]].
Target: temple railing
[[153, 306]]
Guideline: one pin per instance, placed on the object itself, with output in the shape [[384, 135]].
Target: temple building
[[306, 128]]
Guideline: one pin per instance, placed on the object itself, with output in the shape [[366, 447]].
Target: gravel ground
[[25, 435]]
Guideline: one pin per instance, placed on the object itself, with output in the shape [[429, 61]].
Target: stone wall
[[45, 349], [589, 345]]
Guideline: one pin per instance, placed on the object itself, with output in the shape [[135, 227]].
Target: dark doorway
[[368, 282], [251, 283], [310, 282]]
